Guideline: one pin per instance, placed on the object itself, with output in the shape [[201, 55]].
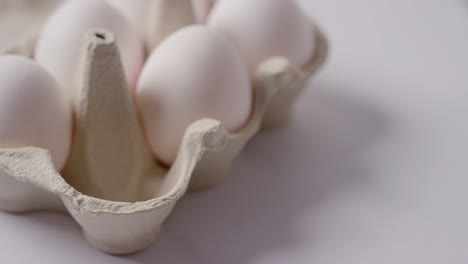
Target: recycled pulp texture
[[116, 192]]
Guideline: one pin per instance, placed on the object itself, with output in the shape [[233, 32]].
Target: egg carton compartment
[[112, 185]]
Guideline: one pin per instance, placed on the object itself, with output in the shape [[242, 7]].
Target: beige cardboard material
[[111, 185], [165, 17]]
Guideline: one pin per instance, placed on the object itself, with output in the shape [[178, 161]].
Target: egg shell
[[33, 109], [59, 44], [262, 29], [135, 11], [195, 73]]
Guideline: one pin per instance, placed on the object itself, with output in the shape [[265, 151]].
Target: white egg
[[135, 11], [194, 74], [34, 110], [59, 45], [265, 28]]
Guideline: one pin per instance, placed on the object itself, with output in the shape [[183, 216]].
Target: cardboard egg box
[[112, 185]]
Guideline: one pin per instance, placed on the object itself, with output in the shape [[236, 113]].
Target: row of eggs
[[198, 71]]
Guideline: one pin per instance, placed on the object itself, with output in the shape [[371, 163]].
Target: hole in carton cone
[[101, 36]]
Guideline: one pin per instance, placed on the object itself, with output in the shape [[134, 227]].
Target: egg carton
[[112, 185]]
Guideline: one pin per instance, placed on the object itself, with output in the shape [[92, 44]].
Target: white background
[[372, 169]]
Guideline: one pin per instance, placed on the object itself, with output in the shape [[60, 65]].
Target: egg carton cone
[[112, 185]]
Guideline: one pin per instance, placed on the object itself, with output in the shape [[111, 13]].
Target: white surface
[[373, 168]]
